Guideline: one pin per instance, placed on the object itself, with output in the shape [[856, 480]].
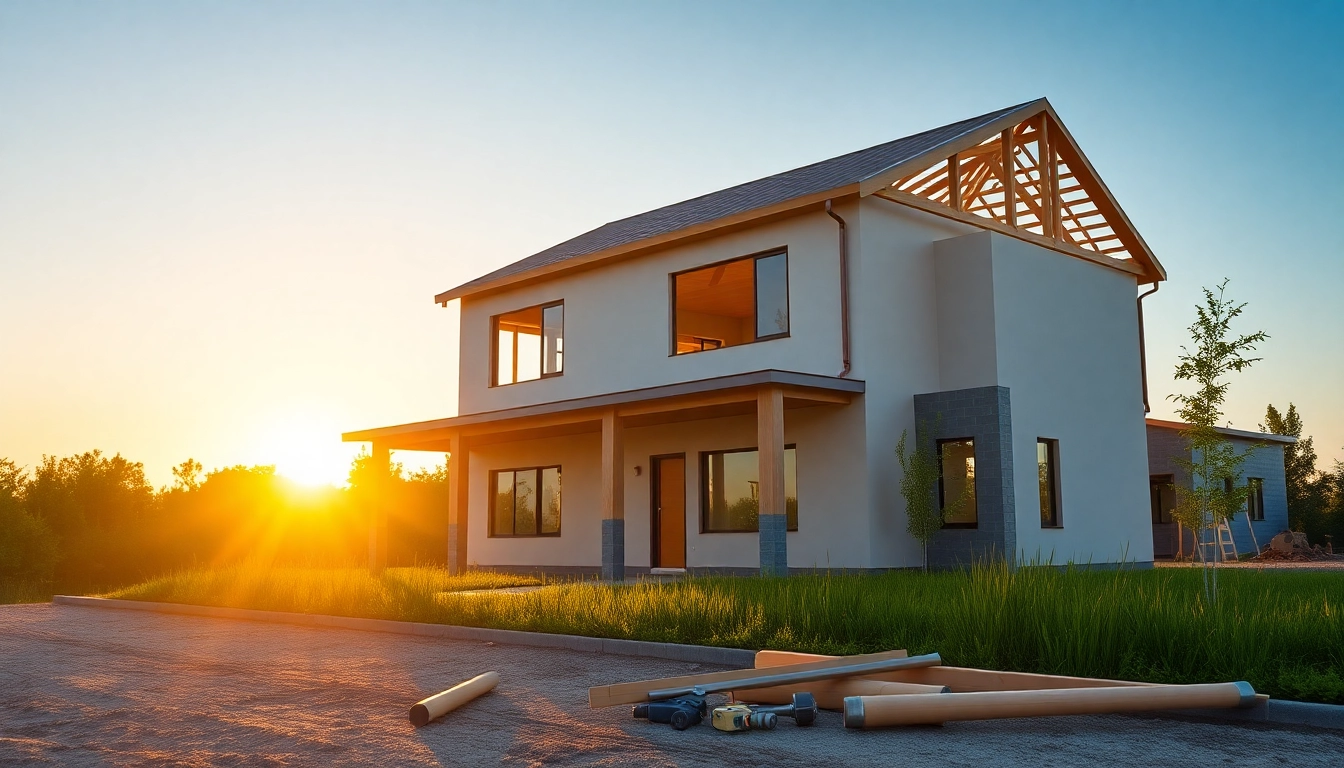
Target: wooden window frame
[[782, 250], [541, 363], [942, 495], [704, 492], [494, 489], [1052, 462]]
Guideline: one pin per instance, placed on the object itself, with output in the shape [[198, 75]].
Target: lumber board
[[831, 694], [633, 693], [959, 679]]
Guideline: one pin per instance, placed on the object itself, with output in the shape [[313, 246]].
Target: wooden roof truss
[[1047, 193]]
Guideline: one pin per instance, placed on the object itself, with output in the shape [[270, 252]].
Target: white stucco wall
[[832, 510], [894, 350], [618, 320], [1068, 350]]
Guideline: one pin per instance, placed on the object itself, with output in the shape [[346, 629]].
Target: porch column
[[613, 498], [773, 524], [381, 464], [458, 472]]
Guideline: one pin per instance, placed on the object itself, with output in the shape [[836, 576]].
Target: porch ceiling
[[686, 401]]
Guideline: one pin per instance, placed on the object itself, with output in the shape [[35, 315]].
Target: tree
[[1305, 489], [1208, 501], [27, 545], [924, 516]]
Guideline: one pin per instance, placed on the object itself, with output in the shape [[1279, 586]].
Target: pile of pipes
[[880, 690]]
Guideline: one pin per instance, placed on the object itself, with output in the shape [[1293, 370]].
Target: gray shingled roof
[[834, 173]]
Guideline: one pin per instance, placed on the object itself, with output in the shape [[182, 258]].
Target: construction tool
[[740, 717], [681, 713], [803, 709], [928, 709], [440, 704], [722, 682]]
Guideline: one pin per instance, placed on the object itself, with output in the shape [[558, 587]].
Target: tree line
[[94, 521]]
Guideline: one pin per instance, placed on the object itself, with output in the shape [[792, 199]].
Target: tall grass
[[1283, 632]]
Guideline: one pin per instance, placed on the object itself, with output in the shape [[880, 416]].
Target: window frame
[[703, 481], [942, 496], [494, 489], [1255, 492], [541, 362], [1052, 462], [782, 250]]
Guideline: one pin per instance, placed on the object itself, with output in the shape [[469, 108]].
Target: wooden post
[[458, 474], [382, 462], [1047, 171], [771, 516], [954, 182], [1009, 180], [613, 498]]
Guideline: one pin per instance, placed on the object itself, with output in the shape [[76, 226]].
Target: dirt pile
[[1293, 547]]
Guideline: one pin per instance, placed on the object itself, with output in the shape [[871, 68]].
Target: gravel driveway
[[93, 686]]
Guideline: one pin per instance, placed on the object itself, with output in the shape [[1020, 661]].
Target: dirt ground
[[84, 686]]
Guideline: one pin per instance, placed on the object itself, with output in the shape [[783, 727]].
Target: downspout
[[1143, 350], [844, 290]]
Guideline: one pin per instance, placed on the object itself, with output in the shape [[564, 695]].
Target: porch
[[766, 395]]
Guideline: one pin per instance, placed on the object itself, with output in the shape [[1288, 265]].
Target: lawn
[[1283, 632]]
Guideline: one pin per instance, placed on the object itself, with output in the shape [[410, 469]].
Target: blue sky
[[221, 224]]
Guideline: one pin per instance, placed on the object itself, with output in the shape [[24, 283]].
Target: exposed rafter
[[1031, 181]]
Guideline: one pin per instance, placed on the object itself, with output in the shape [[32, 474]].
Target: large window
[[730, 490], [736, 302], [527, 502], [1255, 498], [956, 482], [1047, 479], [1162, 497], [528, 344]]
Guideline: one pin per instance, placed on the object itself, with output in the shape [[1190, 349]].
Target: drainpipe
[[1143, 351], [844, 289]]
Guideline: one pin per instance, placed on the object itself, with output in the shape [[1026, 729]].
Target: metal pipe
[[1143, 349], [806, 676], [844, 288]]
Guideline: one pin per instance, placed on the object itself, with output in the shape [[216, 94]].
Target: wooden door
[[669, 511]]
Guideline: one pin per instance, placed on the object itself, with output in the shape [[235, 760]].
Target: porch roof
[[684, 401]]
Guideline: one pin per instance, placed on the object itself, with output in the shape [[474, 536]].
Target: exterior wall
[[1166, 449], [894, 350], [1067, 338], [618, 320], [1165, 446], [832, 508], [983, 415]]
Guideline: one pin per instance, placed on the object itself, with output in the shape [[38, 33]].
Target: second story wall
[[617, 320]]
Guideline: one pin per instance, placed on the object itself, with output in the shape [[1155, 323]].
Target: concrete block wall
[[981, 413]]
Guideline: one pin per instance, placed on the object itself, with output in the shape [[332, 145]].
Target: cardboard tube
[[831, 694], [879, 711], [440, 704]]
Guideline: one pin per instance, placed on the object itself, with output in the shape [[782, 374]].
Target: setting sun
[[306, 448]]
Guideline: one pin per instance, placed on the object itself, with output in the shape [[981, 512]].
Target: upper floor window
[[735, 302], [528, 343]]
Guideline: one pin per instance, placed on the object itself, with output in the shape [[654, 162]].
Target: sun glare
[[307, 450]]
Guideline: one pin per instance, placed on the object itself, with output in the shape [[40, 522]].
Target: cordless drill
[[681, 712]]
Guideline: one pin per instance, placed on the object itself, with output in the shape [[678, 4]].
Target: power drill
[[740, 717], [681, 712]]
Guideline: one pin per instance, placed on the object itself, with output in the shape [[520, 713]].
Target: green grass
[[1283, 632], [24, 592]]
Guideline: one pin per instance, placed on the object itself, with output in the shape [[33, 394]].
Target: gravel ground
[[90, 686]]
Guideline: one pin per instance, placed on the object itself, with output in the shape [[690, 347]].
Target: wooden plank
[[1048, 180], [954, 181], [831, 694], [633, 693], [959, 679], [1009, 180]]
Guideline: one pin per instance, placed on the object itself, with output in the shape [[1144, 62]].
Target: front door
[[1166, 533], [669, 511]]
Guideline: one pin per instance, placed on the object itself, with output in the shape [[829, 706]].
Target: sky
[[222, 224]]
